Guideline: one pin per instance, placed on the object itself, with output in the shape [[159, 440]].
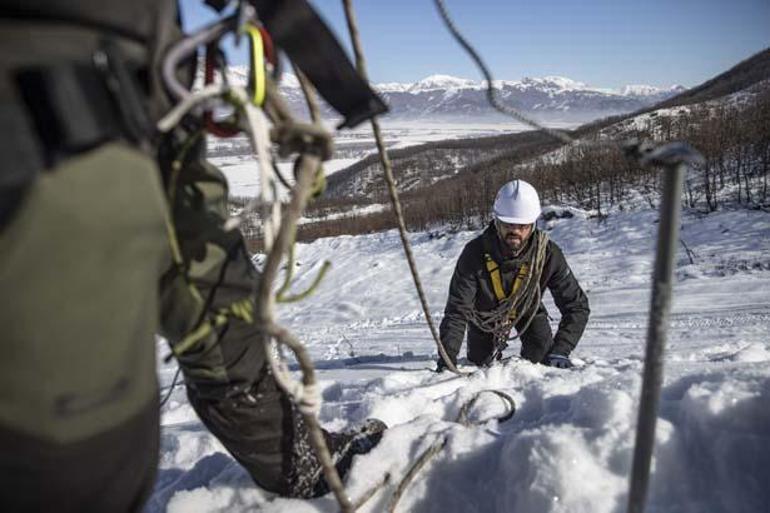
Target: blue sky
[[605, 43]]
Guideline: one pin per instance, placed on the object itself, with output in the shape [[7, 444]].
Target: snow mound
[[570, 444], [756, 352], [720, 449]]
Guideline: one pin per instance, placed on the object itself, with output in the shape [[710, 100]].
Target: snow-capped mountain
[[647, 91], [433, 82], [445, 96], [442, 96]]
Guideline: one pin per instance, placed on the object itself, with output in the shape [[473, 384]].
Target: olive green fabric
[[216, 274], [228, 382], [79, 280]]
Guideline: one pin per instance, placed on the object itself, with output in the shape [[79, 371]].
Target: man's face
[[513, 235]]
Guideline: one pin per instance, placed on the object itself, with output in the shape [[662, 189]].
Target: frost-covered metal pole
[[674, 158]]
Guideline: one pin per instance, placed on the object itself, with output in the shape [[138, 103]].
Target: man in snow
[[497, 287], [101, 247]]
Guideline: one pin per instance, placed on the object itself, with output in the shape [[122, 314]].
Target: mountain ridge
[[448, 97], [446, 160]]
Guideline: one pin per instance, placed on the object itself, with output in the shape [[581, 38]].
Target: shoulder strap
[[494, 273], [497, 283]]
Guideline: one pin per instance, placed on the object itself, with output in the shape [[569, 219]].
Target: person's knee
[[535, 353], [536, 341], [479, 348], [478, 358]]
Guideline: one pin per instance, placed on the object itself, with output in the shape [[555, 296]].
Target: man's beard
[[514, 243]]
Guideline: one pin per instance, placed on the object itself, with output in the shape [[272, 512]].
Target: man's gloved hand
[[558, 360]]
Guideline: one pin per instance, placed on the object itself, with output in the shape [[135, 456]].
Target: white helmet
[[517, 203]]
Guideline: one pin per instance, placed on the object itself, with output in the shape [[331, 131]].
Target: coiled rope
[[523, 301]]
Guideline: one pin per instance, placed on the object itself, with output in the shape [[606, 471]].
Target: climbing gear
[[500, 340], [226, 128], [311, 46], [297, 29], [675, 159], [497, 283], [257, 61], [525, 292], [255, 109], [517, 202]]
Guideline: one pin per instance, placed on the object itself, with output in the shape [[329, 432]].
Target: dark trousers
[[267, 435], [113, 471], [536, 341]]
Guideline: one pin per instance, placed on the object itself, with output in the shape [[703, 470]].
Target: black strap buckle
[[78, 106]]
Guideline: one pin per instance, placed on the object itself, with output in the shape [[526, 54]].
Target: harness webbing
[[494, 274], [525, 292], [497, 282]]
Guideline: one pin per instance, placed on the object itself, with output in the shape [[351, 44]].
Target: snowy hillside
[[441, 162], [569, 446]]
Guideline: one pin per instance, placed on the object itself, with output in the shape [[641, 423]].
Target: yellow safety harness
[[493, 268]]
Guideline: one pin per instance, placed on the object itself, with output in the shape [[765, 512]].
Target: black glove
[[558, 360]]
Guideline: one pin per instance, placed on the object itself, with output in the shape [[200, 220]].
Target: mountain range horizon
[[444, 81], [445, 97]]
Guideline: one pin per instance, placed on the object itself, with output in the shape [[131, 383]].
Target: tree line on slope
[[734, 139]]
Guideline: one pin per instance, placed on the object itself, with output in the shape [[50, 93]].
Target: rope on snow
[[438, 445]]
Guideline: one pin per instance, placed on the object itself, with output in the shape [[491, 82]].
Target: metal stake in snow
[[674, 158]]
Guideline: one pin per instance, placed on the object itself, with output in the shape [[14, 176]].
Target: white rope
[[173, 118], [306, 397], [278, 235], [259, 137]]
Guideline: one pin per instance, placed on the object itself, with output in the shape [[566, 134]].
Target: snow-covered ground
[[570, 444], [233, 156], [242, 172]]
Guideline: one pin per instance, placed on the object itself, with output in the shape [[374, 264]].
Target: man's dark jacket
[[471, 288]]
